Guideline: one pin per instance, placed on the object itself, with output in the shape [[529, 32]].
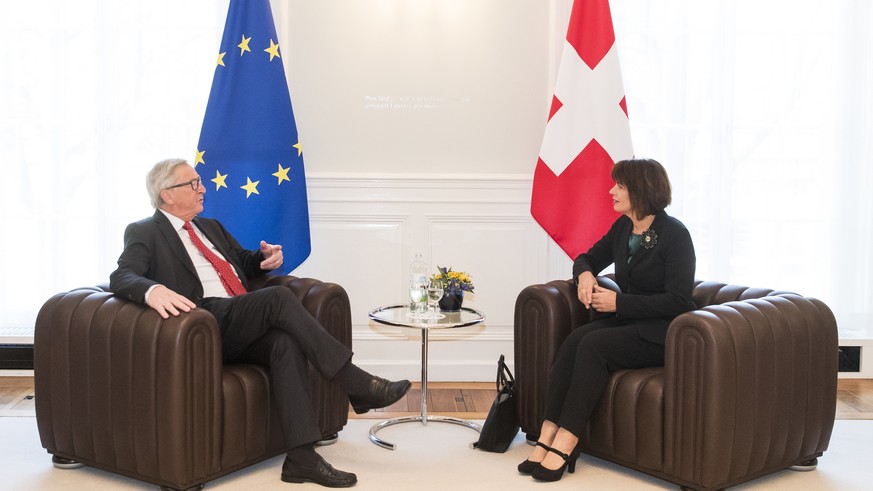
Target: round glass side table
[[399, 315]]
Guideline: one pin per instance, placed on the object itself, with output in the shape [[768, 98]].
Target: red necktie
[[225, 272]]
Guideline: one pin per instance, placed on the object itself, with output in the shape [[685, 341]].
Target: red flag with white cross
[[587, 132]]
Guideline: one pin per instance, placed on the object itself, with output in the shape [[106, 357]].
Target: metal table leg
[[423, 417]]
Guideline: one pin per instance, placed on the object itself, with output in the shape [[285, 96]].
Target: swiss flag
[[587, 132]]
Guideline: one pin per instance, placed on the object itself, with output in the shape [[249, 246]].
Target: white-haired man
[[175, 261]]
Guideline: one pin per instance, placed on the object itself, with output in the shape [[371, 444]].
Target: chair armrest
[[544, 316], [749, 385], [116, 385]]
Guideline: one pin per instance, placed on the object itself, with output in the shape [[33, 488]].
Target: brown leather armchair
[[748, 387], [121, 389]]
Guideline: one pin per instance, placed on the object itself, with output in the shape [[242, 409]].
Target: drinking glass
[[418, 295], [435, 291]]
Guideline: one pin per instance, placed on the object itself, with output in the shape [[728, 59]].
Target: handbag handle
[[504, 375]]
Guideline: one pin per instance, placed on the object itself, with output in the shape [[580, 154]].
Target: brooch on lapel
[[649, 239]]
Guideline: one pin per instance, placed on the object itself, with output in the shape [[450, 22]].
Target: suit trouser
[[581, 369], [270, 327]]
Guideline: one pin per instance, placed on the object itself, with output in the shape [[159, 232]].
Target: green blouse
[[633, 244]]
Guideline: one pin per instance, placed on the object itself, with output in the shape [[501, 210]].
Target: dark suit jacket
[[656, 284], [154, 254]]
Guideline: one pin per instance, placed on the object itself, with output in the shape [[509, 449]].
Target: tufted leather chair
[[748, 387], [121, 389]]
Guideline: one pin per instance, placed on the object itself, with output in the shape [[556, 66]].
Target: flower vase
[[451, 301]]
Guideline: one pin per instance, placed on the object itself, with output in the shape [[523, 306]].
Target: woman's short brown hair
[[647, 185]]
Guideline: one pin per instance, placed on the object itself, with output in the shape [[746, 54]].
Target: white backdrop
[[421, 122]]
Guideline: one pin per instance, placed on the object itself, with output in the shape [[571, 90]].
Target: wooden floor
[[468, 400], [460, 399], [16, 394], [855, 399]]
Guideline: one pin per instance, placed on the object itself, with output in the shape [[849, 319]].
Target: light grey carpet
[[435, 457]]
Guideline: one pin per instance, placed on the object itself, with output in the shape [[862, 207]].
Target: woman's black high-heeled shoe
[[540, 473], [528, 466]]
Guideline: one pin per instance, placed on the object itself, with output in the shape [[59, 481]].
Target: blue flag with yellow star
[[249, 156]]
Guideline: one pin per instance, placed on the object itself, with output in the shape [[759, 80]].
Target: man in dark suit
[[175, 261]]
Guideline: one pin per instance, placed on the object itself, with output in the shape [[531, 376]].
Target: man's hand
[[167, 302], [603, 299], [272, 256]]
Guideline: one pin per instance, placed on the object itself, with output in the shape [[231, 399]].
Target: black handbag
[[501, 425]]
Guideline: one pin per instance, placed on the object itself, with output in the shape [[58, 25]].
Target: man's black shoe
[[382, 393], [320, 473]]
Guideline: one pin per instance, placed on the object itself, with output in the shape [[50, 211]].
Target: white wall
[[398, 86], [366, 230], [421, 123]]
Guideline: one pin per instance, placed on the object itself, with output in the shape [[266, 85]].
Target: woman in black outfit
[[654, 268]]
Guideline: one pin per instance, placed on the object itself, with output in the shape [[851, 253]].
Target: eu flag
[[249, 156]]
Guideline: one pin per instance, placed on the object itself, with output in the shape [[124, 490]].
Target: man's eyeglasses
[[194, 183]]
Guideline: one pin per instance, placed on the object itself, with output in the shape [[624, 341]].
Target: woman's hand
[[587, 282], [603, 299]]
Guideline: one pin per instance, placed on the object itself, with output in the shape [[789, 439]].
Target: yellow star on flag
[[282, 174], [221, 58], [244, 45], [298, 147], [219, 180], [273, 50], [198, 158], [251, 187]]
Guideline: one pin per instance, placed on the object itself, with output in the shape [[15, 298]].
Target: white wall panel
[[366, 230]]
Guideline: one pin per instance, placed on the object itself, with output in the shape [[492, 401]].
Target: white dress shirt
[[212, 286]]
